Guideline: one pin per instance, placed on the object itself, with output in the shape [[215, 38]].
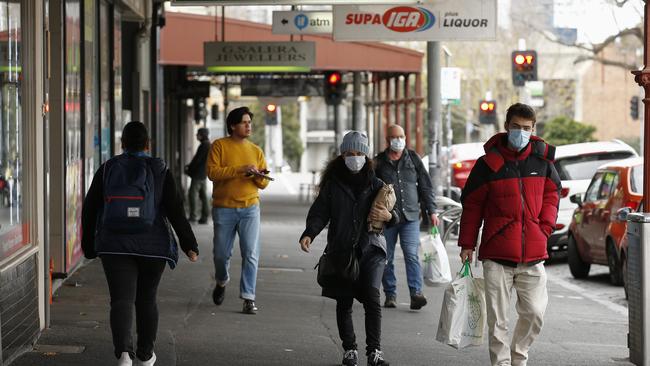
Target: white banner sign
[[450, 83], [447, 20], [302, 22]]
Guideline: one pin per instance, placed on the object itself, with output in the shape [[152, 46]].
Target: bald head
[[395, 137]]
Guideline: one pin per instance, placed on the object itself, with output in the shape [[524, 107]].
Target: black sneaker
[[390, 302], [376, 358], [218, 294], [350, 358], [249, 307], [418, 301]]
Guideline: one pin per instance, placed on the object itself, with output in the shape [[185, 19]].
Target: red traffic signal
[[271, 108], [487, 106], [334, 78], [524, 67], [487, 113]]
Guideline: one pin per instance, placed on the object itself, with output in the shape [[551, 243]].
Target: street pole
[[357, 102], [449, 130], [337, 129], [433, 113]]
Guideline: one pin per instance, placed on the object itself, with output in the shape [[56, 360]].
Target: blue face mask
[[518, 138]]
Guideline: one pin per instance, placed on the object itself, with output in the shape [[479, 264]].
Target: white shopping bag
[[434, 259], [463, 315]]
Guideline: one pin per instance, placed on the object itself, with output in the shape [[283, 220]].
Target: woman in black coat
[[347, 189]]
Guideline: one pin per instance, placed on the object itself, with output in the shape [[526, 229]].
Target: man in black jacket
[[196, 171], [413, 188]]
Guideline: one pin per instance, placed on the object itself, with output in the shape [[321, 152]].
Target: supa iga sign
[[449, 20]]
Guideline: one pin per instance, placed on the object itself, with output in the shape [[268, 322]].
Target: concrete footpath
[[295, 325]]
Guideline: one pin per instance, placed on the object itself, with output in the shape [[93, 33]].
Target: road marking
[[619, 309]]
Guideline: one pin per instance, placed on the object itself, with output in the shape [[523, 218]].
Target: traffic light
[[200, 113], [634, 107], [214, 112], [487, 112], [524, 67], [334, 88], [271, 115]]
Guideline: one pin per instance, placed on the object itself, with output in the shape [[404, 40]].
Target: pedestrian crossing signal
[[524, 67]]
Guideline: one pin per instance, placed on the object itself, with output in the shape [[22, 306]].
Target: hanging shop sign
[[447, 20], [259, 56], [293, 2]]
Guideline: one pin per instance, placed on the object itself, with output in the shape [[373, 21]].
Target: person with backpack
[[196, 170], [127, 220], [404, 169], [347, 190]]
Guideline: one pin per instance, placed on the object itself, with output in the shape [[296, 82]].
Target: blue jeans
[[409, 238], [246, 223]]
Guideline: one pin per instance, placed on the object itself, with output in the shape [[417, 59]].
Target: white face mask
[[397, 144], [355, 163]]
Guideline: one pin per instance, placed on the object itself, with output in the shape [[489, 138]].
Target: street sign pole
[[433, 112]]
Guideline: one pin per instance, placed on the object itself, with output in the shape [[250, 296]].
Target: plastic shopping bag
[[463, 315], [434, 259]]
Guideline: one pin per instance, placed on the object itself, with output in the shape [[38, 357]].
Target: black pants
[[133, 281], [197, 187], [373, 261]]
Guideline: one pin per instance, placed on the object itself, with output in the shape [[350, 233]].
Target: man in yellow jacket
[[236, 167]]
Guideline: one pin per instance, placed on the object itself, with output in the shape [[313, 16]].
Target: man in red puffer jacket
[[513, 190]]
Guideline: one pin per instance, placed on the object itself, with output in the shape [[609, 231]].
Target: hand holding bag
[[463, 314]]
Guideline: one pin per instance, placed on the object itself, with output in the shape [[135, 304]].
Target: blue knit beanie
[[355, 140]]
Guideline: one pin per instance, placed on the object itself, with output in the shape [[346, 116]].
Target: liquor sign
[[302, 22], [260, 55], [447, 20]]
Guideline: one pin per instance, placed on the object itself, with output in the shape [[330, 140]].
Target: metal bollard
[[638, 277]]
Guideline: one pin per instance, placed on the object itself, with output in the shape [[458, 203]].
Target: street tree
[[562, 131]]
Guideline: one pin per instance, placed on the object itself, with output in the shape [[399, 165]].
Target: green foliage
[[562, 131], [291, 143]]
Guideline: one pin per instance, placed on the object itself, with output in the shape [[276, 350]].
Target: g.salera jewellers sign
[[260, 54], [449, 20]]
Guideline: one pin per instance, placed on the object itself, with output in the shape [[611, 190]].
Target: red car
[[462, 160], [598, 225]]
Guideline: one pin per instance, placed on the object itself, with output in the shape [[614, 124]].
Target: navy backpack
[[129, 199]]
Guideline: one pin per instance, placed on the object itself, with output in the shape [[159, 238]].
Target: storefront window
[[105, 81], [117, 70], [14, 231], [91, 84], [73, 157]]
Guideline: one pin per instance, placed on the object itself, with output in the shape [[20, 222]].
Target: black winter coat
[[156, 243], [196, 168], [346, 213]]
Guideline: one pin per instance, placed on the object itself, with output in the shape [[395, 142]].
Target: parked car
[[576, 165], [622, 216], [462, 160], [599, 223]]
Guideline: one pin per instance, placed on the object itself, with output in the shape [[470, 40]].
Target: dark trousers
[[372, 264], [198, 187], [133, 281]]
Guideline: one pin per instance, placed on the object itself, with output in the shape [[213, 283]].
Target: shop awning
[[183, 36]]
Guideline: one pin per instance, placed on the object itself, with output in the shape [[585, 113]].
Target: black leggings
[[133, 280], [372, 266]]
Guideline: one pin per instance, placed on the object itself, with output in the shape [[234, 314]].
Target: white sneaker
[[150, 361], [125, 360]]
